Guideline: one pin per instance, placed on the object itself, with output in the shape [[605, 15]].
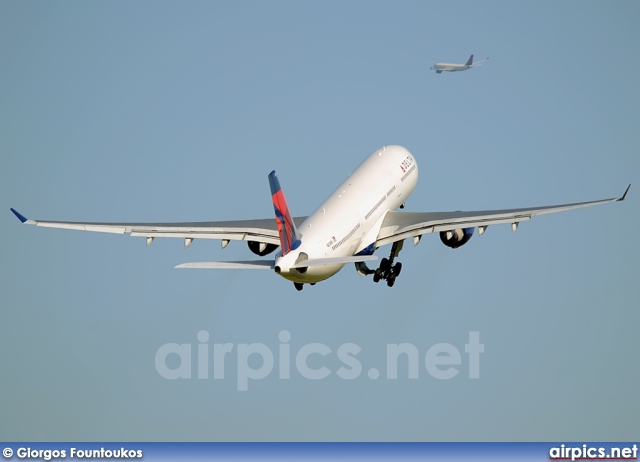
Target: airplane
[[439, 67], [348, 227]]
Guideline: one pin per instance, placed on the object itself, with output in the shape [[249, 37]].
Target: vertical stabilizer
[[289, 237], [470, 61]]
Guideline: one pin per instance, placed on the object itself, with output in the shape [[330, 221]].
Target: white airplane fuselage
[[348, 221], [450, 67]]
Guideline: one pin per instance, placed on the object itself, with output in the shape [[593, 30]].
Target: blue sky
[[161, 111]]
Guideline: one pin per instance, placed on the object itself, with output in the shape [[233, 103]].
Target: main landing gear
[[299, 285], [387, 270]]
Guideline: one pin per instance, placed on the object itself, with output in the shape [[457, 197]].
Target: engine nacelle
[[261, 248], [457, 237]]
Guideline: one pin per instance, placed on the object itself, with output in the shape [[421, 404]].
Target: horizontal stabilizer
[[333, 261], [250, 264]]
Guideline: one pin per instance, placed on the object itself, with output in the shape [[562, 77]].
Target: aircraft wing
[[261, 230], [397, 226], [478, 63]]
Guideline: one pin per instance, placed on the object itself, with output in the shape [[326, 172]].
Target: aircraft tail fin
[[289, 236], [470, 61]]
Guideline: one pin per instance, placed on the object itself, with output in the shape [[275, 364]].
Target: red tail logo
[[289, 237]]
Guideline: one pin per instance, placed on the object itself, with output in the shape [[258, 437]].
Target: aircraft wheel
[[298, 286], [377, 275], [391, 280], [385, 265], [397, 268]]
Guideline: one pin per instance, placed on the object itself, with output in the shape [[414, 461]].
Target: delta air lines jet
[[439, 67], [348, 227]]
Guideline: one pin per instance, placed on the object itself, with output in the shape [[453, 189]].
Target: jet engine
[[456, 237], [261, 248]]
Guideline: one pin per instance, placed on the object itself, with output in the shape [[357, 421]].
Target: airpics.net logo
[[257, 361]]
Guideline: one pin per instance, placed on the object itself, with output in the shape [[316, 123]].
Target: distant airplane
[[348, 227], [439, 67]]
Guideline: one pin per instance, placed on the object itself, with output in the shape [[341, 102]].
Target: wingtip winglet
[[624, 196], [21, 217]]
